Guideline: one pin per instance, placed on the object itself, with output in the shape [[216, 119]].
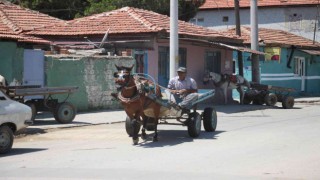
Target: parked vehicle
[[14, 116]]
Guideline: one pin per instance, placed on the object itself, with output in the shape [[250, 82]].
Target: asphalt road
[[271, 143]]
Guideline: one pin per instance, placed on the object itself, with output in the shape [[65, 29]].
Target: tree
[[67, 10], [70, 9]]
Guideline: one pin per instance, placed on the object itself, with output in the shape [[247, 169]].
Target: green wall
[[312, 71], [11, 61], [93, 76]]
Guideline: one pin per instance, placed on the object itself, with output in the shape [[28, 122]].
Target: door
[[33, 67], [163, 66], [300, 69], [141, 58]]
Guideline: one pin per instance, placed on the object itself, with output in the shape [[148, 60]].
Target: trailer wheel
[[258, 100], [65, 113], [270, 99], [6, 139], [33, 109], [194, 125], [129, 128], [209, 119], [287, 102], [247, 99]]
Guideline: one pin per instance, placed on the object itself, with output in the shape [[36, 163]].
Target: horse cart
[[63, 112], [188, 117], [267, 94]]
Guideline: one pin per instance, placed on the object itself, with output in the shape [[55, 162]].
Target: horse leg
[[240, 90], [135, 127], [225, 95], [143, 131], [156, 119]]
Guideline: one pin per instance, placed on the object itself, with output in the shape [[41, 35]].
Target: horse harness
[[229, 78], [142, 88]]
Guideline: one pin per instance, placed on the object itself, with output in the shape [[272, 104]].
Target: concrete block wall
[[93, 75]]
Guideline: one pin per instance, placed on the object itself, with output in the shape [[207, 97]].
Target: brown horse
[[133, 94]]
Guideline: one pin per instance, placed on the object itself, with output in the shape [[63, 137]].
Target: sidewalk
[[46, 121]]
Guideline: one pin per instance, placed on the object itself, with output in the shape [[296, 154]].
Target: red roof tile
[[225, 4], [126, 20], [276, 37], [15, 20]]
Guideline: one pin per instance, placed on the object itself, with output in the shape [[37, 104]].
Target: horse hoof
[[144, 136], [135, 141]]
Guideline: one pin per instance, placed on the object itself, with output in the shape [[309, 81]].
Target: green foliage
[[70, 9]]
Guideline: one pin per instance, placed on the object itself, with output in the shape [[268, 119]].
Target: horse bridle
[[123, 75]]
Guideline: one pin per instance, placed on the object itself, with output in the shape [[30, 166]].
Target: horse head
[[122, 77], [206, 78]]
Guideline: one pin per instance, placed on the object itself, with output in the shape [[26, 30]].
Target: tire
[[65, 113], [33, 109], [258, 100], [246, 99], [129, 128], [287, 102], [150, 124], [6, 139], [270, 99], [194, 125], [209, 119]]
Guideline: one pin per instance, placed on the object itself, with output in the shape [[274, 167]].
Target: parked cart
[[190, 117], [269, 95], [63, 112]]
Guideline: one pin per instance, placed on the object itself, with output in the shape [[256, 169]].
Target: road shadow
[[175, 137], [236, 108], [44, 122], [19, 151]]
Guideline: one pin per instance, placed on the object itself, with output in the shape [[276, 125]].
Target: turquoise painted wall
[[11, 61], [312, 83], [93, 76]]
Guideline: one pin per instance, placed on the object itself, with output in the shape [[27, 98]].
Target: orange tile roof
[[225, 4], [276, 37], [126, 20], [15, 20]]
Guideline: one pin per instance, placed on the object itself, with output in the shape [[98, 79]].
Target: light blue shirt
[[187, 83]]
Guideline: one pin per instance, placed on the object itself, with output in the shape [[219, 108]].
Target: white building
[[296, 16]]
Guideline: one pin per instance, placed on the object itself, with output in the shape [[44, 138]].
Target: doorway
[[299, 69]]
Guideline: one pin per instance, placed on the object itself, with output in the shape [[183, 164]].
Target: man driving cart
[[182, 90]]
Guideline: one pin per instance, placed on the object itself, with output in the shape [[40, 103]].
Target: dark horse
[[133, 94]]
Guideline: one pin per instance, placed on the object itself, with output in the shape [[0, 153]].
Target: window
[[183, 57], [197, 21], [225, 19], [295, 22], [212, 62]]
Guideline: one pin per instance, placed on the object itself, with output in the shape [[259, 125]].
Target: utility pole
[[254, 41], [238, 32], [174, 46]]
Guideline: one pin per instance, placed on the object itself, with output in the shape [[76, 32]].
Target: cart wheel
[[270, 99], [287, 102], [129, 128], [258, 100], [150, 124], [246, 99], [6, 139], [194, 125], [209, 119], [64, 113], [33, 109]]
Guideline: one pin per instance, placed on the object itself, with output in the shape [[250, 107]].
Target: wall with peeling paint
[[93, 75], [11, 61]]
